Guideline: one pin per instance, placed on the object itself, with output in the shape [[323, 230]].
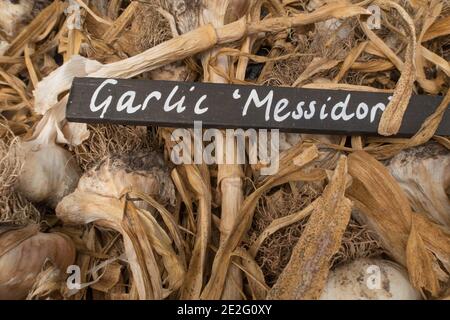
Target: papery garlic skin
[[48, 174], [369, 279], [142, 171], [23, 261], [423, 172]]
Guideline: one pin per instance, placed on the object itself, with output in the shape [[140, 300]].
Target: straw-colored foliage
[[143, 228]]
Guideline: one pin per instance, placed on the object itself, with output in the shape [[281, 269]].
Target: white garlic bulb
[[49, 172], [142, 171], [23, 253], [369, 279]]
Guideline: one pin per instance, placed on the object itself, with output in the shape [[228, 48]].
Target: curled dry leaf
[[23, 253], [197, 266], [391, 119], [255, 276], [419, 261], [425, 133]]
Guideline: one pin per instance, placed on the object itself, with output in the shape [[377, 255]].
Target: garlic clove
[[23, 253], [369, 279], [423, 172]]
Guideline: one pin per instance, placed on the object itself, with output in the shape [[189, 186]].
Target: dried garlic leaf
[[384, 207], [109, 278], [419, 261], [150, 283], [288, 172], [255, 276], [391, 119], [193, 283], [305, 275]]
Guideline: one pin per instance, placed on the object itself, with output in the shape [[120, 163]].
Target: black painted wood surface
[[223, 106]]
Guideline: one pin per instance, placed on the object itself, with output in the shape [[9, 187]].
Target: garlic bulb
[[143, 171], [97, 199], [369, 279], [423, 172], [49, 171], [23, 253]]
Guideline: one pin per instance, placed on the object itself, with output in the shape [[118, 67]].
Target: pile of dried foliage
[[107, 200]]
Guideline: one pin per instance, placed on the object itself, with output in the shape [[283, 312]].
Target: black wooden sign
[[179, 104]]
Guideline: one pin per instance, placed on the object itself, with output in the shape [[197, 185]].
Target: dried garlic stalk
[[306, 273], [229, 175], [391, 119]]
